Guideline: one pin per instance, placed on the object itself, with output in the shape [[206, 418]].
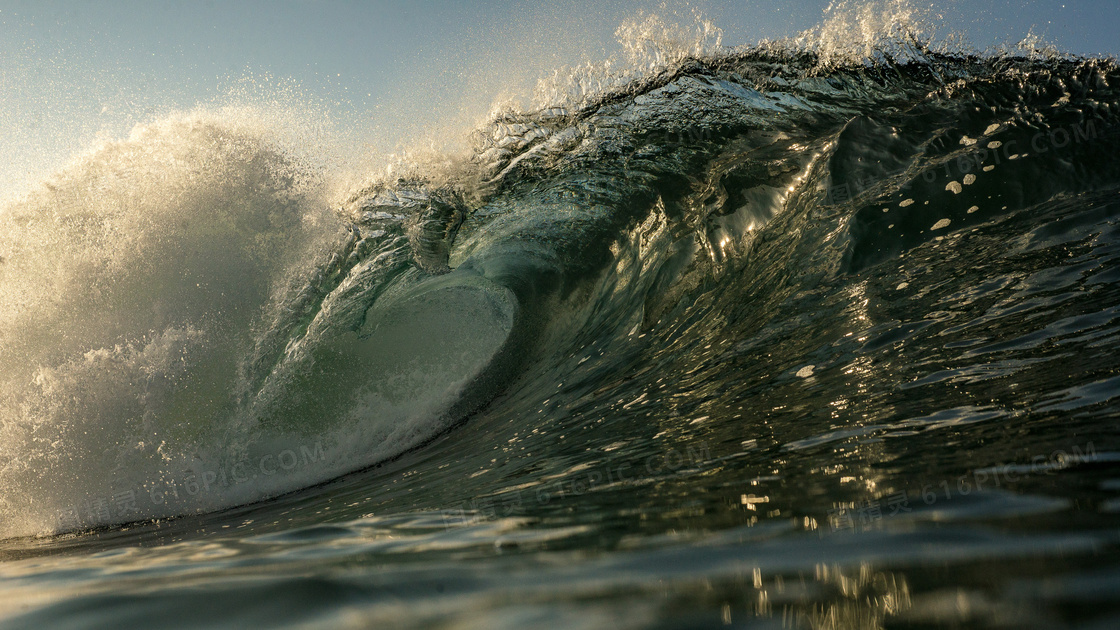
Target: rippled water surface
[[750, 339]]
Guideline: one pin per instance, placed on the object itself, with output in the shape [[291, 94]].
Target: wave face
[[780, 256]]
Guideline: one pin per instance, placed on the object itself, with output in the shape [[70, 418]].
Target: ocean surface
[[818, 333]]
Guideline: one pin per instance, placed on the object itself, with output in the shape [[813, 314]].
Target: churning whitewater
[[883, 233]]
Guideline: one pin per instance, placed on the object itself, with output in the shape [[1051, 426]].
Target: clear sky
[[380, 71]]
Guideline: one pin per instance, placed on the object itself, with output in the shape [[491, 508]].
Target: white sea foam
[[128, 288]]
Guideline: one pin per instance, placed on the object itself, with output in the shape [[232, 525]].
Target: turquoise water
[[765, 337]]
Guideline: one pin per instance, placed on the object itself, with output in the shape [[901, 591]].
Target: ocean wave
[[183, 310]]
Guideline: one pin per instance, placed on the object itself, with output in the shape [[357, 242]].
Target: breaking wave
[[676, 240]]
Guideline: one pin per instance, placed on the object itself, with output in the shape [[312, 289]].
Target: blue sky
[[382, 71]]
